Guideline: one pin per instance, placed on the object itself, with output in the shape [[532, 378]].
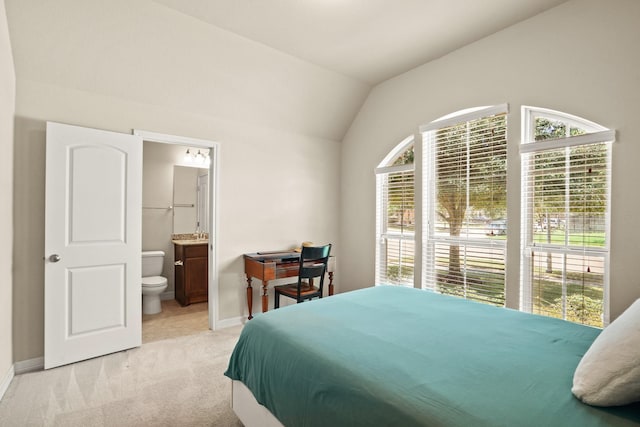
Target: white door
[[92, 243]]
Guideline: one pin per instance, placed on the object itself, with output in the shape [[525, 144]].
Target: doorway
[[169, 211]]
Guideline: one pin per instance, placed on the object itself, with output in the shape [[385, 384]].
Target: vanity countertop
[[186, 242]]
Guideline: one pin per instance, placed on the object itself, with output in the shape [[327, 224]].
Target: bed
[[394, 356]]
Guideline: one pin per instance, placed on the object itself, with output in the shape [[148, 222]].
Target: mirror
[[190, 200]]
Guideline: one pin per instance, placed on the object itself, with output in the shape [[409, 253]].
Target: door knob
[[54, 258]]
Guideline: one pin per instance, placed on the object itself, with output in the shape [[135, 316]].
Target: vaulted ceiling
[[302, 66], [370, 40]]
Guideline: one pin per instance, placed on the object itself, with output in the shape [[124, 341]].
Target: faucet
[[199, 234]]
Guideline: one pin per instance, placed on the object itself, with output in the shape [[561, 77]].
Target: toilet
[[153, 284]]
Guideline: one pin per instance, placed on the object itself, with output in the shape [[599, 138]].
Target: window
[[464, 199], [566, 171], [395, 217]]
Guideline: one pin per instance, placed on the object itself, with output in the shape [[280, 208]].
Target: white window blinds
[[395, 218], [565, 217], [465, 222]]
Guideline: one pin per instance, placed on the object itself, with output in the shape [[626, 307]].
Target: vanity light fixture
[[187, 156], [198, 159]]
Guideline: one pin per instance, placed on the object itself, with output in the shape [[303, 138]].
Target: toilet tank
[[152, 262]]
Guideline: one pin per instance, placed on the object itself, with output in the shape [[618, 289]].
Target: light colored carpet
[[173, 382]]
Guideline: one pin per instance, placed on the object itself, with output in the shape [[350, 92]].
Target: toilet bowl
[[153, 284]]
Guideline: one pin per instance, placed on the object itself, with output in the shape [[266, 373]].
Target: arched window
[[566, 168], [395, 216], [464, 226]]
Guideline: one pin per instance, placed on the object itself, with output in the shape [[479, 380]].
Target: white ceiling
[[369, 40]]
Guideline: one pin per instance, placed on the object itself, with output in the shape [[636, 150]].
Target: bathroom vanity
[[191, 271]]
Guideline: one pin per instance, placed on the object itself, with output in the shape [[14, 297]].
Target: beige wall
[[277, 120], [581, 57], [267, 178], [7, 106]]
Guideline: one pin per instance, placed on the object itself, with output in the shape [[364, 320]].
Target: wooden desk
[[266, 266]]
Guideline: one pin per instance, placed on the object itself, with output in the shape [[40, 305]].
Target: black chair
[[313, 265]]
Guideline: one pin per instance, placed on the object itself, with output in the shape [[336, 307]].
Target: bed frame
[[247, 408]]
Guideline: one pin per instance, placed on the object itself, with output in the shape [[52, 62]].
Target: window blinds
[[464, 200], [565, 202], [395, 224]]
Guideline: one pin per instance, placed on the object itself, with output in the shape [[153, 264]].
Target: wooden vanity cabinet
[[191, 273]]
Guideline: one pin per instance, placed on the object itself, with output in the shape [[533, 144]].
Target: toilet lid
[[154, 281]]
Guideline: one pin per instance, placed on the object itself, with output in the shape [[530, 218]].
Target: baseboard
[[167, 295], [228, 323], [29, 365], [6, 381]]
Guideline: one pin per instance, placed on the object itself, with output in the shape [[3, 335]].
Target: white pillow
[[609, 372]]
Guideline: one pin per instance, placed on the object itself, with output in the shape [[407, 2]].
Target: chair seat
[[292, 290]]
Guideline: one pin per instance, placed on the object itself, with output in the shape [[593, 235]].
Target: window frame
[[429, 202], [595, 134], [383, 235]]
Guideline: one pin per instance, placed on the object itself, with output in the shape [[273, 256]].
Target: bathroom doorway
[[179, 201]]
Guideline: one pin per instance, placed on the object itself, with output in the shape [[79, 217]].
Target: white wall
[[581, 57], [7, 106], [123, 65]]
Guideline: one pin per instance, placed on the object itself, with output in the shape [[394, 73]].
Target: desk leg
[[265, 296], [249, 297], [330, 283]]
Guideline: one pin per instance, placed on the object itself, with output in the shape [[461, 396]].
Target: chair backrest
[[313, 263]]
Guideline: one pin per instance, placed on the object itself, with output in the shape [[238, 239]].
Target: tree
[[401, 198], [587, 184], [470, 175], [406, 158]]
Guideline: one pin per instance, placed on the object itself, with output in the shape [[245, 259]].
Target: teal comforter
[[393, 356]]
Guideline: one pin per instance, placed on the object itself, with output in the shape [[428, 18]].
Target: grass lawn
[[583, 302], [575, 239]]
